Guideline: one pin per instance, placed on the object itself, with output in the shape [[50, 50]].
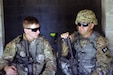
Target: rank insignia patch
[[105, 49]]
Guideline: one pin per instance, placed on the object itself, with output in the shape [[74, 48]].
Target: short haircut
[[30, 20]]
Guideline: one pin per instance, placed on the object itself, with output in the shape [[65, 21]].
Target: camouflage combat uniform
[[92, 54], [43, 60]]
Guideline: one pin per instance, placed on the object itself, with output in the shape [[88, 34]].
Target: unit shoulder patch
[[105, 49]]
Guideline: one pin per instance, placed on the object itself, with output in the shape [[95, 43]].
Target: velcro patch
[[105, 49]]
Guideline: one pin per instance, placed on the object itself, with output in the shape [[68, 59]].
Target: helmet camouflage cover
[[86, 16]]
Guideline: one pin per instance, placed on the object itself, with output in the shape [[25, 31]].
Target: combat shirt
[[103, 57], [44, 62]]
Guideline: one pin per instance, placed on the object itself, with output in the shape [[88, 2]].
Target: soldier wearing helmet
[[92, 52]]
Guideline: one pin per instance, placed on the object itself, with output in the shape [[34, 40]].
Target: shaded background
[[54, 15]]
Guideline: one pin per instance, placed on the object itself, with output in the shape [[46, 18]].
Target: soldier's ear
[[92, 25]]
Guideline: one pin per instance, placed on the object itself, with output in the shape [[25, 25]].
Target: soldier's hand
[[10, 70], [65, 35]]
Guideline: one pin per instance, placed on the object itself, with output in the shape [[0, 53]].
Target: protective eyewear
[[83, 24], [34, 29]]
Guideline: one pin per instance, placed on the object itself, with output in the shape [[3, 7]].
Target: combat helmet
[[86, 16]]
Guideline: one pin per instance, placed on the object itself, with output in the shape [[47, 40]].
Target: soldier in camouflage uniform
[[92, 52], [40, 59]]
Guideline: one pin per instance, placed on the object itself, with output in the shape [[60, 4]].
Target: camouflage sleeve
[[64, 48], [103, 57], [8, 55], [50, 65], [64, 45]]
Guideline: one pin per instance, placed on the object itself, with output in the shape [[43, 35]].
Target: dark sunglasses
[[83, 24], [34, 29]]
